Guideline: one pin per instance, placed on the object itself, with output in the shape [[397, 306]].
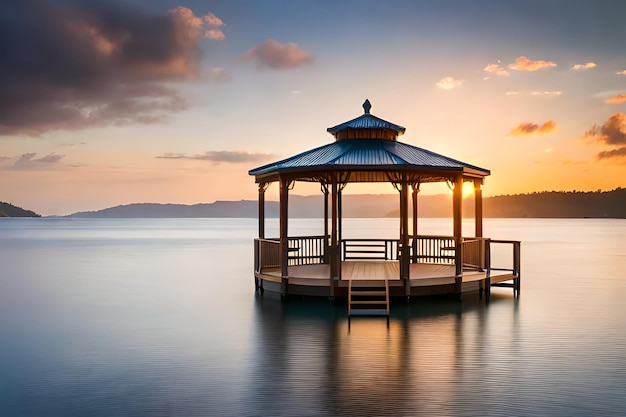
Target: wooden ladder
[[368, 297]]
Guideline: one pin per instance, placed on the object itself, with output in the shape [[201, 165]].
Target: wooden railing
[[307, 250], [516, 256], [370, 249], [266, 254], [433, 249], [475, 252]]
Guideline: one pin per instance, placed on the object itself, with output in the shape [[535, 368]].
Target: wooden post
[[416, 190], [339, 215], [284, 241], [334, 250], [457, 211], [404, 254], [325, 191], [478, 208], [262, 187]]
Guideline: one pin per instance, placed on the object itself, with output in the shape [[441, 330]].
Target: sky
[[104, 103]]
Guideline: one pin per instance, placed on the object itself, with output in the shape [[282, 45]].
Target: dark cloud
[[27, 161], [612, 132], [525, 129], [613, 153], [231, 157], [275, 55], [74, 64]]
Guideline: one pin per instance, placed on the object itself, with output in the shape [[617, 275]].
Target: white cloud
[[448, 83], [546, 93], [587, 65], [496, 69]]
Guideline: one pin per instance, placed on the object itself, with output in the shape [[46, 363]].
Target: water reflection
[[313, 360]]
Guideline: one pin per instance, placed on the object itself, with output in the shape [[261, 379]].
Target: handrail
[[433, 249], [266, 254], [516, 259], [370, 249], [307, 250]]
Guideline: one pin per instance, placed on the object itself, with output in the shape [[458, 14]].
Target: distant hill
[[236, 209], [553, 204], [9, 210]]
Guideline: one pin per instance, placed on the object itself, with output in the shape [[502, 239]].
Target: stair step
[[368, 302], [363, 293], [369, 312]]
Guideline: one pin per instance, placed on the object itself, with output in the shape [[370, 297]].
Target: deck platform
[[425, 278]]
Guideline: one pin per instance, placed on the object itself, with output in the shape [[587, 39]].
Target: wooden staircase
[[368, 298]]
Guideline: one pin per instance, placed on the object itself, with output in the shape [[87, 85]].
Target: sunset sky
[[114, 102]]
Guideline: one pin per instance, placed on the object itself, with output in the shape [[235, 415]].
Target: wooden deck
[[421, 274]]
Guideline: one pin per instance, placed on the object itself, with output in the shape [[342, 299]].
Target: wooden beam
[[404, 236], [284, 241], [457, 207], [325, 191], [457, 210], [334, 249], [262, 189], [340, 215], [478, 208], [416, 190]]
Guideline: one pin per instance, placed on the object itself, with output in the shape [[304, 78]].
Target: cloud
[[215, 33], [621, 72], [27, 161], [511, 93], [496, 69], [524, 64], [546, 93], [4, 158], [613, 153], [213, 20], [448, 83], [275, 55], [587, 65], [72, 65], [231, 157], [618, 99], [216, 74], [526, 129], [612, 132]]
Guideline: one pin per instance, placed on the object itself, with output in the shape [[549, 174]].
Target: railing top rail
[[506, 241], [371, 240], [431, 237], [266, 240]]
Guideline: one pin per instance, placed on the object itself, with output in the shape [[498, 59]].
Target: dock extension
[[368, 298]]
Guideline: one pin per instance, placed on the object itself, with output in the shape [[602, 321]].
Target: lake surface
[[159, 317]]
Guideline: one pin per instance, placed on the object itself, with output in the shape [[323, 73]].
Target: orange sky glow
[[177, 106]]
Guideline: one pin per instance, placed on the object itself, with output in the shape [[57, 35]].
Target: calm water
[[159, 318]]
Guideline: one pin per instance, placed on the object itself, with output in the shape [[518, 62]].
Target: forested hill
[[611, 204], [553, 204], [9, 210]]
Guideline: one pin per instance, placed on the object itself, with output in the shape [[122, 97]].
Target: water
[[160, 318]]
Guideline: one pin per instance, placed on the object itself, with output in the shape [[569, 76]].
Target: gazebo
[[366, 150]]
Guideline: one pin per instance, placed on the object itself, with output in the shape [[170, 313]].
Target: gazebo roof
[[367, 122], [368, 157]]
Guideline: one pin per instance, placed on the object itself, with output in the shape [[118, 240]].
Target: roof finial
[[367, 106]]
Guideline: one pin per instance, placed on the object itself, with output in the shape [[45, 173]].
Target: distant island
[[549, 204], [9, 210]]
